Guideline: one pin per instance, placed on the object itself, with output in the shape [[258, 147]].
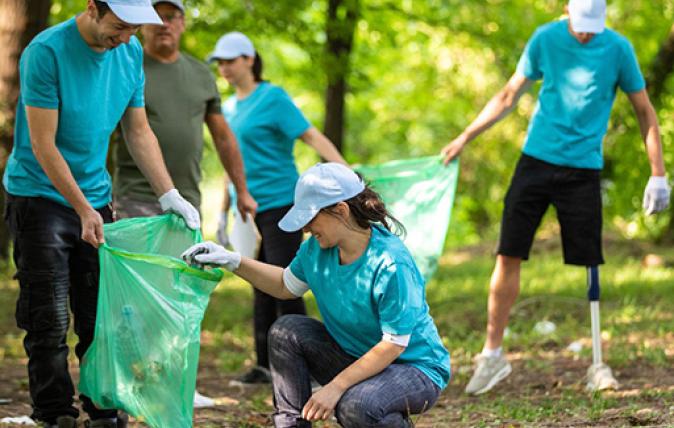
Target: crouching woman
[[377, 352]]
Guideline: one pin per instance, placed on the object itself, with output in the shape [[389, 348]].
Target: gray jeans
[[301, 347]]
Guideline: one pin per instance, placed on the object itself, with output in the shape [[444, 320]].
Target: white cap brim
[[296, 218], [136, 15], [228, 54], [224, 54], [585, 25]]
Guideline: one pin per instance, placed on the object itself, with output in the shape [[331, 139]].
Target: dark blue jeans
[[53, 266], [300, 347]]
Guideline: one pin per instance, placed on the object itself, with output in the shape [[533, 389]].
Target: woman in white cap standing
[[266, 123], [377, 354]]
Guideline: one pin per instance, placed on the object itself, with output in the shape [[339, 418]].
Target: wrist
[[240, 188], [167, 197], [339, 385], [234, 263], [168, 194], [658, 180], [83, 209], [464, 138]]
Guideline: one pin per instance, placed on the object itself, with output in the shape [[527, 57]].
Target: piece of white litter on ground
[[21, 420], [545, 327], [575, 347], [201, 401]]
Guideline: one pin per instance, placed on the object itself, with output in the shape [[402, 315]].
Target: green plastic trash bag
[[420, 194], [145, 351]]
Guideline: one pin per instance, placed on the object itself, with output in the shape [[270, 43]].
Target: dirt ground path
[[641, 401]]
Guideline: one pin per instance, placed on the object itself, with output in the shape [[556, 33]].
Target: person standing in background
[[582, 64], [266, 123], [180, 96]]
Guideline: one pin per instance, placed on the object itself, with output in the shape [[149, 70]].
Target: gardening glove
[[172, 201], [223, 238], [210, 253], [656, 195]]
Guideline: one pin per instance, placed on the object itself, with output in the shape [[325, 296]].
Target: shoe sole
[[498, 377]]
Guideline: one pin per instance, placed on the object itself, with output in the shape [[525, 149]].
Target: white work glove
[[210, 253], [656, 195], [223, 237], [172, 201]]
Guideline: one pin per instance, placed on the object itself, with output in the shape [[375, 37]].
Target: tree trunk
[[661, 68], [20, 21], [340, 28]]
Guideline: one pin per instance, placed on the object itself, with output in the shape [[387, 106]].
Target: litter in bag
[[145, 351], [420, 194]]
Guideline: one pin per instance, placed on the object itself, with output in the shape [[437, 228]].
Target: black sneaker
[[101, 423], [256, 376], [61, 422], [122, 419]]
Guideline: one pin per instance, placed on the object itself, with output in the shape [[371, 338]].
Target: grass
[[546, 388]]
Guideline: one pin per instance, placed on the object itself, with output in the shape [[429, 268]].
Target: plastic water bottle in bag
[[127, 333]]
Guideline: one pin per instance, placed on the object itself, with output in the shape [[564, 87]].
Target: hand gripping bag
[[145, 351]]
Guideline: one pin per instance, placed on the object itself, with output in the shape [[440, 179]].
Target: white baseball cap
[[135, 12], [177, 3], [587, 16], [320, 186], [232, 45]]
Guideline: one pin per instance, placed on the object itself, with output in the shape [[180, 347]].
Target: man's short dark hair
[[102, 8]]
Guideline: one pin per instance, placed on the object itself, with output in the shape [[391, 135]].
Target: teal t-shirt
[[266, 124], [577, 93], [380, 292], [91, 91]]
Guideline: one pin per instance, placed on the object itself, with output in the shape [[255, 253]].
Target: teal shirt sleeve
[[296, 265], [289, 119], [400, 298], [529, 63], [39, 77], [138, 97], [630, 78]]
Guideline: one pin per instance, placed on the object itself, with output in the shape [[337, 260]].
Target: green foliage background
[[421, 71]]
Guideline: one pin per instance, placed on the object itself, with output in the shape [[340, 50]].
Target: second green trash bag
[[145, 352], [419, 193]]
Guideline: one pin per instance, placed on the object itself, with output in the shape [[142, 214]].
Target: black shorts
[[575, 194]]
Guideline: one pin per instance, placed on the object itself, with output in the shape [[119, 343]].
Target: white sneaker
[[201, 401], [488, 372], [600, 377]]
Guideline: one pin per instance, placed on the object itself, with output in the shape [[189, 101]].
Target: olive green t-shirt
[[178, 96]]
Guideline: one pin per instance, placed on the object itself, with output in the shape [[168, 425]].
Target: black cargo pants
[[53, 266]]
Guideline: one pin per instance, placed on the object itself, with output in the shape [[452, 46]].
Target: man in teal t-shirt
[[79, 79], [581, 64]]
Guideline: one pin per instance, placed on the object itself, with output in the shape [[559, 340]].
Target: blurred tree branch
[[662, 67]]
